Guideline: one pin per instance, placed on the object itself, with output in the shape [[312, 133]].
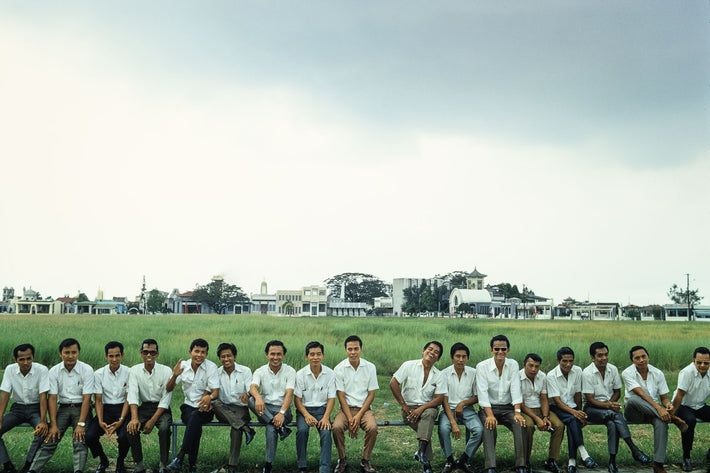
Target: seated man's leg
[[163, 426], [302, 429], [193, 419], [605, 416], [369, 425], [444, 434], [530, 428], [574, 431], [270, 432], [93, 434], [556, 437], [340, 426], [9, 421], [238, 418], [326, 441], [489, 442], [48, 448], [506, 417], [475, 428], [80, 450], [639, 411], [687, 437]]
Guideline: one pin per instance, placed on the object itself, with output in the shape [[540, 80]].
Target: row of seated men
[[134, 401]]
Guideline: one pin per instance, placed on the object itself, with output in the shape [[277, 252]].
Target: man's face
[[226, 357], [70, 355], [198, 355], [499, 349], [149, 352], [601, 358], [314, 356], [460, 358], [114, 357], [353, 350], [275, 356], [640, 359], [566, 363], [431, 353], [532, 368], [24, 360], [702, 363]]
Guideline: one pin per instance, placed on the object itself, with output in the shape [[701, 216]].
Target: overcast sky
[[563, 145]]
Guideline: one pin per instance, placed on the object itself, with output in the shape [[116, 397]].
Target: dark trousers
[[18, 414], [67, 415], [616, 427], [575, 439], [326, 441], [112, 412], [505, 415], [691, 416], [145, 412], [193, 419]]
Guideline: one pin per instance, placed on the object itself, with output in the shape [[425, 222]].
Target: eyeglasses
[[500, 348], [149, 352]]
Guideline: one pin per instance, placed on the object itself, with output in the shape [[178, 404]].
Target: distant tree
[[465, 308], [413, 298], [506, 290], [428, 301], [689, 297], [156, 302], [454, 279], [82, 297], [359, 287], [634, 314], [219, 295]]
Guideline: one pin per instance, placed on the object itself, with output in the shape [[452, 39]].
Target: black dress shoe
[[249, 436], [589, 463], [175, 465], [284, 432], [687, 465], [641, 457], [448, 468], [551, 466], [101, 468], [571, 469], [613, 468], [464, 467]]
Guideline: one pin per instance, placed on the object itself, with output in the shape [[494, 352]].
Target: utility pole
[[687, 295]]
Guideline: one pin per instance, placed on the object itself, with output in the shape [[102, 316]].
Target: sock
[[612, 459], [572, 462], [631, 444], [464, 459], [583, 452], [450, 459]]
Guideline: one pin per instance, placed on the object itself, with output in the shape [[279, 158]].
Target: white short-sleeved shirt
[[601, 388], [654, 385], [70, 386], [498, 390], [144, 386], [234, 384], [415, 391], [25, 389], [196, 383], [564, 388], [112, 386], [458, 389], [696, 387], [355, 383], [272, 387], [315, 392], [532, 390]]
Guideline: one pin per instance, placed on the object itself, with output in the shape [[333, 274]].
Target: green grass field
[[387, 343]]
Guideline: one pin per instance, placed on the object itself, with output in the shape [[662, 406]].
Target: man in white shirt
[[645, 386], [272, 405], [200, 386], [314, 399], [459, 380], [355, 384], [690, 400], [27, 384], [71, 384], [601, 386], [110, 388], [149, 403], [232, 406], [417, 388], [536, 411], [500, 399], [564, 391]]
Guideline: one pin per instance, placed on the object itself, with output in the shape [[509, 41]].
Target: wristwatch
[[81, 424], [283, 413], [517, 410]]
